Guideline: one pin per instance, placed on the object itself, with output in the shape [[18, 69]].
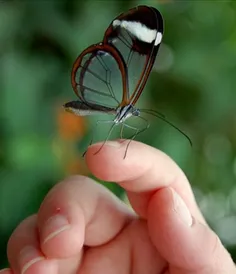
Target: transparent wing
[[137, 36], [135, 61], [97, 76]]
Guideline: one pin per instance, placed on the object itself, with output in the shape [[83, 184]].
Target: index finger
[[144, 171]]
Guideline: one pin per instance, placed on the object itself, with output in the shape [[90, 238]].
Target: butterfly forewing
[[97, 76], [134, 61], [136, 35], [110, 76]]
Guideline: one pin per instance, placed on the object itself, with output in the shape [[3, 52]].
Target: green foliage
[[192, 83]]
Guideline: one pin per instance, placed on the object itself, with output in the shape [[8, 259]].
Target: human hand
[[83, 228]]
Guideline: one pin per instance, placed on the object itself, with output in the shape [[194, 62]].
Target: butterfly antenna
[[163, 118], [155, 113]]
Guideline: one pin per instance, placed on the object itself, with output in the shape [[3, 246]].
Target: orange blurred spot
[[71, 127], [75, 166]]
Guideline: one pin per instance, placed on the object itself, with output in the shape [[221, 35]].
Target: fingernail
[[113, 144], [181, 209], [54, 226], [28, 256], [6, 270], [108, 143]]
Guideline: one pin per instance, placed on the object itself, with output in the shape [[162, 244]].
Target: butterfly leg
[[94, 130], [121, 131], [108, 136], [137, 132]]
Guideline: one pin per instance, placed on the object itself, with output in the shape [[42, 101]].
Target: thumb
[[186, 244]]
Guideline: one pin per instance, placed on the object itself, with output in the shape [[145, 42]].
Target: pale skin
[[83, 228]]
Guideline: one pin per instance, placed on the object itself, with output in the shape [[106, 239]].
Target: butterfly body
[[124, 112]]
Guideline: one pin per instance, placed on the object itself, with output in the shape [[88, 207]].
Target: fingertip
[[119, 157], [99, 155], [62, 233], [60, 220], [78, 212], [32, 260], [175, 205], [61, 242], [180, 238], [24, 252], [169, 222], [103, 149]]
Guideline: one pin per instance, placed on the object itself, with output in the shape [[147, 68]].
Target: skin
[[83, 228]]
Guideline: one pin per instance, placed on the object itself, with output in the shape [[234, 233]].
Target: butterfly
[[109, 77]]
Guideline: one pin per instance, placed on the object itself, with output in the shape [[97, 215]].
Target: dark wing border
[[159, 26]]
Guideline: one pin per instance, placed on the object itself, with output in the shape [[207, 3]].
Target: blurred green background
[[192, 83]]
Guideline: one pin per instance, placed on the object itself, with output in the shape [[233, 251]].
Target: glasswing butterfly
[[110, 76]]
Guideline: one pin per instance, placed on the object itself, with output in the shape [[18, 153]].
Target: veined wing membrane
[[137, 36], [134, 61], [97, 76]]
